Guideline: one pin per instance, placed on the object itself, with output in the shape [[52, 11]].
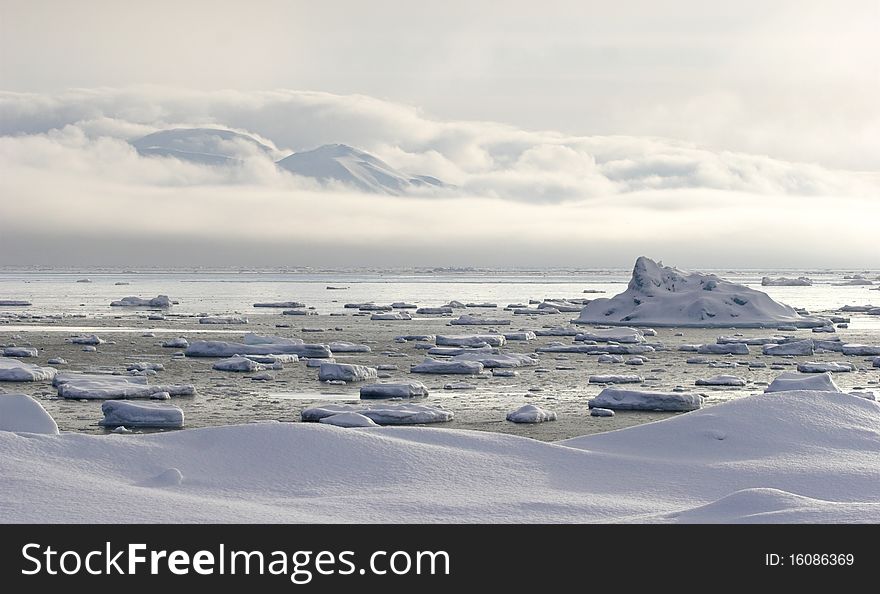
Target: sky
[[576, 133]]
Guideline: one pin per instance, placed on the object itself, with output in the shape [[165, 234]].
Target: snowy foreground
[[781, 457]]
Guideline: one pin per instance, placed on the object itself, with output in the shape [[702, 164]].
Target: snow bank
[[22, 414], [12, 370], [383, 414], [24, 352], [448, 367], [280, 304], [782, 281], [475, 340], [223, 320], [348, 419], [799, 347], [531, 414], [158, 301], [345, 372], [468, 320], [621, 335], [491, 360], [130, 414], [216, 348], [721, 380], [238, 364], [406, 390], [659, 295], [788, 381], [620, 399]]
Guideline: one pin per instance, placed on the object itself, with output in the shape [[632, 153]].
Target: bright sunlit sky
[[770, 109]]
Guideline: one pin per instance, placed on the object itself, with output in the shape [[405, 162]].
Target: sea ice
[[176, 343], [490, 360], [13, 370], [468, 320], [474, 340], [280, 304], [621, 399], [239, 364], [135, 414], [616, 379], [861, 349], [799, 347], [433, 311], [531, 414], [721, 380], [214, 348], [448, 367], [402, 390], [525, 335], [782, 281], [392, 316], [723, 349], [620, 335], [23, 352], [223, 320], [789, 381], [822, 367], [345, 372], [383, 414]]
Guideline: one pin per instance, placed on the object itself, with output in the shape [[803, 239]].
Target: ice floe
[[448, 367], [723, 349], [23, 352], [136, 414], [391, 316], [789, 381], [216, 348], [223, 320], [383, 414], [348, 420], [525, 335], [345, 372], [798, 347], [721, 380], [823, 366], [472, 340], [860, 349], [400, 390], [530, 413], [13, 370], [620, 334], [468, 320], [622, 399], [491, 360], [280, 304], [616, 379], [158, 301], [238, 364], [106, 387], [433, 311], [782, 281], [176, 343]]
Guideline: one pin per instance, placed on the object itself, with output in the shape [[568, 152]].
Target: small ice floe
[[14, 303], [499, 372], [280, 304], [403, 305], [176, 343], [861, 349], [698, 361], [238, 363], [459, 386], [822, 367], [531, 414], [843, 326], [121, 284], [834, 345], [528, 311], [357, 305], [455, 304], [757, 365], [448, 367], [787, 328], [275, 359], [23, 352], [401, 390], [561, 306], [876, 361], [689, 348], [345, 372], [122, 429], [798, 347], [391, 317], [299, 312], [106, 387], [22, 414], [348, 347], [621, 399], [145, 366], [91, 339], [384, 414], [491, 360], [616, 379], [473, 340], [482, 305], [348, 419], [635, 361], [156, 317], [610, 359], [753, 341], [723, 364], [84, 280], [158, 301], [13, 370], [386, 367], [374, 307], [621, 335], [90, 349], [612, 349], [782, 281], [319, 362], [258, 345], [434, 311], [558, 331], [136, 414], [721, 380], [723, 349], [790, 381], [263, 376], [223, 320], [520, 336], [415, 338], [601, 412], [828, 329], [56, 361], [854, 282], [468, 320], [453, 351]]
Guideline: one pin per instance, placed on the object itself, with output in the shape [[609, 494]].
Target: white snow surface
[[13, 370], [792, 457], [137, 414], [23, 414], [660, 295]]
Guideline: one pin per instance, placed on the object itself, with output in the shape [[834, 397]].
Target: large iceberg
[[660, 295]]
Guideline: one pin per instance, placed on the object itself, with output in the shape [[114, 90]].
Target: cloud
[[69, 177]]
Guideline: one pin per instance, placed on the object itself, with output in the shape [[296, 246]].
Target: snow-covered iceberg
[[660, 295], [621, 399], [22, 414], [135, 414], [158, 301]]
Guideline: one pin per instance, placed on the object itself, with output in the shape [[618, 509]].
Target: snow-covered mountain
[[354, 167], [207, 146]]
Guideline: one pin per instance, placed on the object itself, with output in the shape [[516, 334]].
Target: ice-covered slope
[[660, 295], [347, 165], [207, 146], [783, 457]]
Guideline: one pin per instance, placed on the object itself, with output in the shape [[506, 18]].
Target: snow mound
[[531, 414], [660, 295], [620, 399], [384, 414], [789, 381], [22, 414], [131, 414], [348, 419], [759, 505], [159, 301], [12, 370], [404, 390]]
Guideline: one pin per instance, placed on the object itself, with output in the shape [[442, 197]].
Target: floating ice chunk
[[527, 311], [348, 419], [482, 305], [13, 370], [788, 381], [319, 362], [473, 340], [213, 348], [275, 359], [822, 367], [799, 347], [490, 360], [159, 301], [531, 414], [145, 366], [663, 296], [23, 352], [131, 414], [374, 307], [616, 379], [558, 331], [782, 281], [415, 338], [23, 414], [280, 304], [468, 320], [876, 361], [238, 364], [635, 361], [383, 414], [453, 351], [601, 412], [402, 390], [90, 339], [345, 372], [56, 361], [403, 305], [723, 349], [459, 386], [348, 347], [223, 320], [621, 399], [299, 312], [861, 349], [721, 380], [499, 372], [855, 282], [14, 303], [393, 316], [448, 367], [759, 341], [525, 335], [176, 343], [434, 311], [106, 387], [620, 335], [610, 359], [455, 304], [613, 349], [561, 306], [835, 345]]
